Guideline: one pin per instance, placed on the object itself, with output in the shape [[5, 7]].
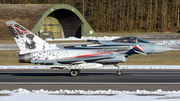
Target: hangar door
[[52, 24]]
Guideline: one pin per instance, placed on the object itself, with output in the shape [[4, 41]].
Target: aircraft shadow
[[55, 74]]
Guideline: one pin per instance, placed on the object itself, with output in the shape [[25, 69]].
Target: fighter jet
[[76, 58]]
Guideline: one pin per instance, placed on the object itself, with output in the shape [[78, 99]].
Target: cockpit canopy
[[130, 39]]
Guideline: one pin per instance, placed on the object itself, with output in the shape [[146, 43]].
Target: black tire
[[119, 73], [74, 73], [79, 71]]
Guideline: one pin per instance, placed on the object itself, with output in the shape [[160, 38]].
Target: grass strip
[[10, 57]]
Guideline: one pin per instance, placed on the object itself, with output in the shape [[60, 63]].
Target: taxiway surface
[[98, 76], [148, 79]]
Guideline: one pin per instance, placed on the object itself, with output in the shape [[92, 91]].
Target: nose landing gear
[[119, 71]]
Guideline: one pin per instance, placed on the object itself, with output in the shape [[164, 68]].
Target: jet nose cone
[[160, 49]]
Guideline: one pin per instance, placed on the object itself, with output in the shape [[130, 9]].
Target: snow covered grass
[[170, 43], [85, 38], [90, 95], [105, 67], [10, 57], [144, 67], [88, 92]]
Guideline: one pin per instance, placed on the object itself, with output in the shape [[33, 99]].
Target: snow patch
[[170, 43], [143, 67], [89, 95], [89, 92], [85, 38]]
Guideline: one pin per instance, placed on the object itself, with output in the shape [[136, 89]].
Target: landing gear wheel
[[78, 72], [119, 73], [74, 72]]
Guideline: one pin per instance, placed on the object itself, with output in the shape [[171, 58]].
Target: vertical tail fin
[[26, 40]]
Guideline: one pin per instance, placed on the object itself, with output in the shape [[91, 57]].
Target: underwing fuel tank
[[25, 58]]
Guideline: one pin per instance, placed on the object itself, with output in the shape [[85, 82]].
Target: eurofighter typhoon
[[75, 58]]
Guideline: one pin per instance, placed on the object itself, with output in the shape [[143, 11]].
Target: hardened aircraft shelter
[[62, 20]]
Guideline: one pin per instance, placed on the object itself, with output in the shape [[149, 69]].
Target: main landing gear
[[119, 71], [74, 72]]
